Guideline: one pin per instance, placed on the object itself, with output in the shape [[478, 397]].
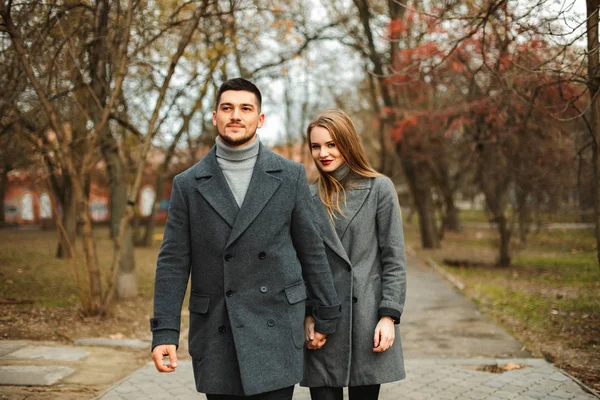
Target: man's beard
[[237, 142]]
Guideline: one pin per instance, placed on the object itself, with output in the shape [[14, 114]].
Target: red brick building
[[29, 201]]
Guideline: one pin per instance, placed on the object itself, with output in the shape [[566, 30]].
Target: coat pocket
[[199, 303], [199, 320], [295, 295], [296, 292]]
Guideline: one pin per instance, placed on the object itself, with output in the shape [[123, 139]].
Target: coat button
[[271, 322], [228, 257], [229, 293], [222, 329], [263, 289], [155, 323], [354, 299], [262, 255]]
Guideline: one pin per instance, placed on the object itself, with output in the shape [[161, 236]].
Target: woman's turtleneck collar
[[341, 172], [237, 153]]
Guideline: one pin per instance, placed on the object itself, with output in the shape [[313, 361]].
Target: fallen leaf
[[116, 336], [510, 366]]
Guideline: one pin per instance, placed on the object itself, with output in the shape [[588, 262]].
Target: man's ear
[[261, 120], [214, 118]]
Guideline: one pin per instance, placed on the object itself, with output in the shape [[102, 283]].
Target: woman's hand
[[384, 335], [314, 340]]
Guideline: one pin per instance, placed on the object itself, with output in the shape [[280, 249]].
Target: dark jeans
[[367, 392], [280, 394]]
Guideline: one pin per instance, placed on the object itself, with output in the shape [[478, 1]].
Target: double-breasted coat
[[248, 269], [365, 249]]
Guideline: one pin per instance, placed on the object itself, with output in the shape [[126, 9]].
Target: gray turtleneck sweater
[[341, 173], [237, 165]]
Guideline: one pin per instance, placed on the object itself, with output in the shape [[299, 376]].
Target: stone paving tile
[[8, 346], [426, 379], [54, 353], [131, 343], [33, 375]]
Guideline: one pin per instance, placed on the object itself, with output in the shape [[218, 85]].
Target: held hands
[[165, 350], [314, 340], [384, 335]]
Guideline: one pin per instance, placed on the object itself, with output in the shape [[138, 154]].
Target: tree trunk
[[424, 203], [524, 216], [99, 63], [504, 247], [580, 192], [96, 307], [594, 86], [596, 184], [126, 283], [68, 205], [495, 194], [429, 235], [151, 221], [136, 227], [451, 218]]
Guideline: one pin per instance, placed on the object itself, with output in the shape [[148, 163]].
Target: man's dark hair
[[239, 84]]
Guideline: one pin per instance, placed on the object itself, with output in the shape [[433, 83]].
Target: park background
[[485, 113]]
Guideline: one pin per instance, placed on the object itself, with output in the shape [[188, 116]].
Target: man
[[240, 223]]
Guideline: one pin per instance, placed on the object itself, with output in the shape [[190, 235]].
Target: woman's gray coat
[[366, 256]]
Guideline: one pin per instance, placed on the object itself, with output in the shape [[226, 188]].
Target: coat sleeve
[[311, 252], [172, 271], [390, 238]]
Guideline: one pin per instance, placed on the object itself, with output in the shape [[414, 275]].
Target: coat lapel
[[215, 189], [356, 194], [330, 237], [263, 185]]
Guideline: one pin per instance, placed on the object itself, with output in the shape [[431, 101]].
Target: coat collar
[[330, 237], [357, 190], [215, 189], [217, 193]]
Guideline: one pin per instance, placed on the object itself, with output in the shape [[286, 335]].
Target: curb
[[583, 386], [457, 283]]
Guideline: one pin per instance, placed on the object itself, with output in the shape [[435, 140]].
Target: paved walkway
[[448, 348]]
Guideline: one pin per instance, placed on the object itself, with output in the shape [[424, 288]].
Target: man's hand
[[384, 335], [314, 340], [165, 350]]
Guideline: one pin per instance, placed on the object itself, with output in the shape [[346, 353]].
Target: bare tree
[[593, 58]]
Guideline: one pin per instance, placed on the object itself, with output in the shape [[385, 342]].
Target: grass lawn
[[538, 218], [36, 286], [549, 298]]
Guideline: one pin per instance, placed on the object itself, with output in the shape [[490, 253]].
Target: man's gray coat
[[366, 255], [248, 266]]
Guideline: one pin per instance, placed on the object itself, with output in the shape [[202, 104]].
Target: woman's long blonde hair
[[342, 131]]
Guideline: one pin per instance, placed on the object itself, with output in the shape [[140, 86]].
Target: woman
[[359, 216]]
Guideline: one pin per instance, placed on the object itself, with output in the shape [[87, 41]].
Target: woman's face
[[324, 150]]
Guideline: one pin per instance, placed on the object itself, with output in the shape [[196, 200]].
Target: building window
[[146, 201], [27, 207], [45, 206]]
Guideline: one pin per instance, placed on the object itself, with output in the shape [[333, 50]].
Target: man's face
[[237, 117]]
